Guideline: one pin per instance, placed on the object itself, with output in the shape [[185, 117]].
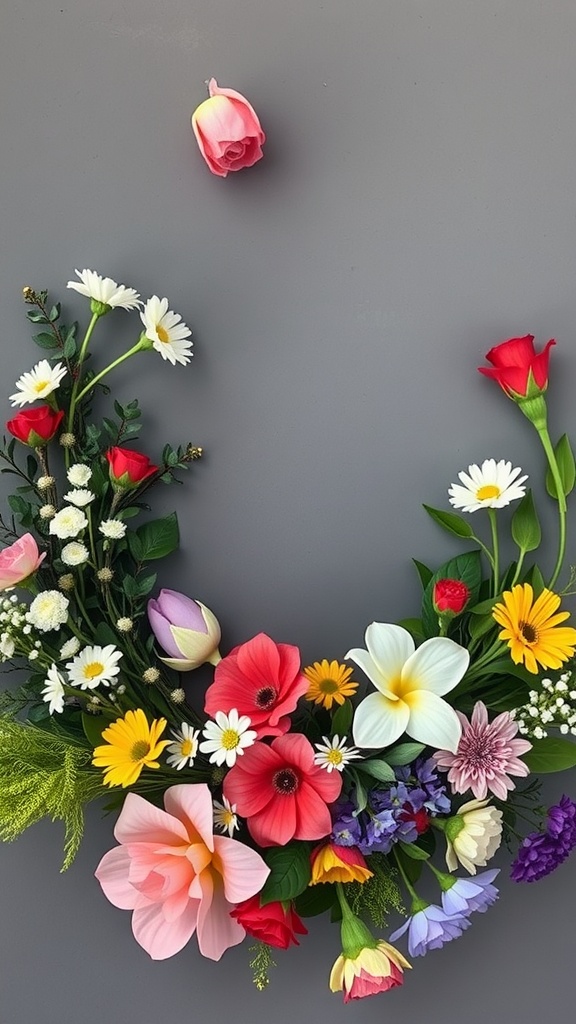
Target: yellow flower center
[[227, 817], [93, 669], [487, 492], [162, 333], [230, 739], [328, 686], [334, 757], [186, 748], [140, 750], [40, 385]]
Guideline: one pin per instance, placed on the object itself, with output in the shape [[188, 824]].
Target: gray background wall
[[416, 205]]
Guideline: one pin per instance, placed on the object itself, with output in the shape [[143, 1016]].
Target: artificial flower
[[48, 611], [182, 751], [68, 522], [176, 876], [130, 744], [69, 648], [450, 597], [186, 629], [74, 553], [94, 666], [329, 683], [333, 863], [113, 529], [473, 835], [491, 485], [516, 366], [333, 755], [128, 469], [374, 969], [410, 685], [167, 331], [79, 497], [227, 131], [79, 474], [488, 753], [225, 816], [542, 852], [104, 292], [53, 691], [281, 792], [227, 737], [430, 927], [469, 895], [263, 680], [35, 427], [19, 561], [277, 924], [531, 628], [41, 381]]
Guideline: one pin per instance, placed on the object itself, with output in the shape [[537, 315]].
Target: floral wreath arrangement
[[287, 796]]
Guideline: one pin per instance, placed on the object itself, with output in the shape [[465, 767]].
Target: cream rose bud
[[79, 475], [68, 523], [186, 629]]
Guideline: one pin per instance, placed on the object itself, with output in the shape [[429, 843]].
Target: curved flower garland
[[288, 796]]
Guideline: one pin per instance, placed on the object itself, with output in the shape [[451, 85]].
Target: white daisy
[[79, 498], [79, 475], [113, 529], [94, 666], [104, 290], [182, 752], [227, 737], [74, 553], [333, 755], [53, 692], [491, 485], [40, 382], [48, 611], [166, 330], [225, 817], [70, 648], [68, 522]]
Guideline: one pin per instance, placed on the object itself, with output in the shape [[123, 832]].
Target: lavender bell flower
[[186, 629], [467, 895], [430, 927]]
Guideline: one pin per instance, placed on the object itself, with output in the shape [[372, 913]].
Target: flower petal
[[141, 822], [217, 931], [192, 805], [437, 666], [244, 872], [379, 722], [159, 937], [432, 721], [275, 824], [113, 873]]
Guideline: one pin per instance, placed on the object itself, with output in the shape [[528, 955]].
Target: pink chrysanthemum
[[487, 754]]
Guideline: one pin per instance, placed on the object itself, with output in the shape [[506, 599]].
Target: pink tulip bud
[[186, 629], [227, 130], [19, 561]]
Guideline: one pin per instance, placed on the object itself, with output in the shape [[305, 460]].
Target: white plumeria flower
[[68, 523], [40, 382], [333, 755], [473, 835], [48, 611], [79, 474], [225, 817], [104, 290], [70, 648], [227, 737], [53, 692], [166, 330], [94, 666], [79, 497], [74, 553], [491, 485], [182, 752], [410, 685], [113, 529]]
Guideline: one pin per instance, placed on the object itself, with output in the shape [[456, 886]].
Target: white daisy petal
[[166, 330], [104, 290], [438, 665], [379, 722], [432, 721], [41, 381], [491, 485]]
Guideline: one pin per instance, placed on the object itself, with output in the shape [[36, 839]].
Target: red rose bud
[[450, 596], [35, 427], [128, 469], [522, 373], [272, 923]]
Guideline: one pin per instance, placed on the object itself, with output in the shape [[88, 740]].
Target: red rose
[[450, 596], [127, 468], [35, 427], [517, 368], [271, 923]]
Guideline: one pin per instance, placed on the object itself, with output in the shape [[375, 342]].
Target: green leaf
[[54, 312], [566, 468], [551, 754], [104, 634], [479, 625], [414, 627], [45, 340], [451, 522], [158, 538], [467, 568], [360, 795], [536, 579], [404, 753], [289, 872], [93, 726], [377, 770], [135, 546], [525, 525], [144, 584], [423, 571], [69, 350], [414, 852], [342, 719], [316, 899]]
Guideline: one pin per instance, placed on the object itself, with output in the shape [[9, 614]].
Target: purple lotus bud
[[187, 630]]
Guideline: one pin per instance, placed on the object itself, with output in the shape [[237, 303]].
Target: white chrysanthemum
[[75, 553], [79, 475], [491, 485], [105, 290], [113, 529], [227, 737], [68, 522], [40, 382], [70, 648], [79, 498], [182, 752], [94, 666], [166, 330], [225, 817], [48, 611], [53, 692], [333, 755]]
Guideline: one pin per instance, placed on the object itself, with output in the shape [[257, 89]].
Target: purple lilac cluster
[[395, 813], [543, 852]]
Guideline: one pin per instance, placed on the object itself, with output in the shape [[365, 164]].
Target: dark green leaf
[[424, 572], [158, 538], [551, 754], [451, 522], [404, 753], [289, 872], [525, 526], [93, 726], [45, 340], [135, 546], [414, 852], [566, 468], [54, 312], [69, 350], [414, 627], [479, 625], [468, 569], [342, 719], [411, 867], [144, 584], [316, 899]]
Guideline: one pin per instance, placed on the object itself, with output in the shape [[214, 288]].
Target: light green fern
[[42, 775], [379, 894], [261, 964]]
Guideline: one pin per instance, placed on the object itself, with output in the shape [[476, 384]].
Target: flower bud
[[450, 597], [187, 630]]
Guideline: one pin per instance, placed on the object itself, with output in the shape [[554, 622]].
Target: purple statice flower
[[346, 829], [468, 895], [430, 928], [542, 852], [426, 789]]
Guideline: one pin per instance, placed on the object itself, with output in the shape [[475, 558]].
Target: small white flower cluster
[[553, 707], [16, 630]]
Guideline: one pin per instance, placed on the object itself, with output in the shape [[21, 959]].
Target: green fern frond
[[42, 775], [378, 895], [261, 964]]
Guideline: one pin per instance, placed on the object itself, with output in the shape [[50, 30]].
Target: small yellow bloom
[[531, 628], [332, 863], [131, 745], [329, 683]]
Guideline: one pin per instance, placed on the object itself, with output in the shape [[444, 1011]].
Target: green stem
[[138, 347], [496, 560], [518, 568], [405, 878], [81, 356], [486, 550], [560, 497]]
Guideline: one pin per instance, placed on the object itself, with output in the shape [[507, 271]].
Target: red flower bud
[[35, 427], [271, 923], [127, 468], [518, 368], [450, 596]]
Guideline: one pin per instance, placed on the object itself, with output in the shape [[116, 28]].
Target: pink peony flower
[[281, 792], [262, 680], [176, 876], [18, 561], [227, 131], [486, 755]]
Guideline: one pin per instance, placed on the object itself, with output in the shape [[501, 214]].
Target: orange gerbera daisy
[[330, 683], [531, 628]]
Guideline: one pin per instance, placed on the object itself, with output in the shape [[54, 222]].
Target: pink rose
[[18, 561], [228, 131]]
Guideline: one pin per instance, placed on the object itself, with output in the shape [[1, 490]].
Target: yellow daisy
[[329, 683], [131, 745], [531, 628]]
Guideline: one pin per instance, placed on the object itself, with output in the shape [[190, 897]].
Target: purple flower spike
[[542, 852], [431, 928]]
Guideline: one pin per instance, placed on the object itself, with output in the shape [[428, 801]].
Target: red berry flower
[[518, 368], [35, 427], [127, 468], [276, 923], [450, 596]]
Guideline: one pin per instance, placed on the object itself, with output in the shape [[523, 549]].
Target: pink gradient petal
[[112, 873], [246, 791], [140, 821], [192, 805], [275, 824], [295, 750], [217, 931], [313, 816], [244, 871], [328, 785], [159, 937]]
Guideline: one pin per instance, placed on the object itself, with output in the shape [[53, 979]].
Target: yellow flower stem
[[496, 556], [561, 499], [138, 347]]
